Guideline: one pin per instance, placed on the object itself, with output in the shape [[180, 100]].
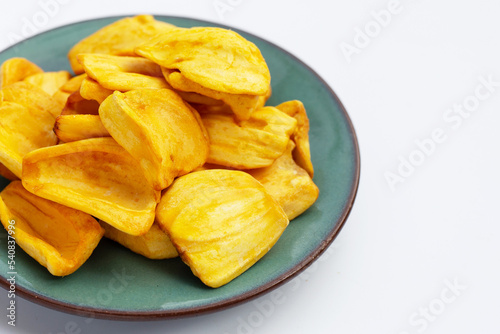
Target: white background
[[390, 269]]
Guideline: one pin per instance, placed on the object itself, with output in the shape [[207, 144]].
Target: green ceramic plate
[[118, 284]]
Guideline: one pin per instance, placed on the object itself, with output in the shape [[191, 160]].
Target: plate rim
[[107, 314]]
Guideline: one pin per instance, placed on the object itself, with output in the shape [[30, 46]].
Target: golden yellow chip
[[119, 38], [159, 130], [249, 144], [242, 105], [16, 69], [92, 90], [96, 176], [154, 244], [49, 82], [123, 73], [30, 97], [215, 58], [59, 238], [70, 128], [22, 130], [221, 222], [288, 183], [302, 151], [71, 86]]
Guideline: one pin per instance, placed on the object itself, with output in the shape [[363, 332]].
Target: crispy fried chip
[[23, 128], [31, 97], [123, 73], [70, 128], [49, 82], [302, 151], [221, 222], [59, 238], [92, 90], [17, 69], [119, 38], [71, 86], [241, 104], [249, 144], [155, 244], [288, 183], [215, 58], [159, 130], [96, 176]]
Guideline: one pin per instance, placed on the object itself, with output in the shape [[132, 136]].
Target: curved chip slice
[[16, 69], [221, 222], [302, 151], [253, 143], [123, 73], [159, 130], [59, 238], [71, 86], [70, 128], [96, 176], [31, 97], [119, 38], [49, 82], [154, 244], [242, 105], [92, 90], [215, 58], [22, 130], [288, 183]]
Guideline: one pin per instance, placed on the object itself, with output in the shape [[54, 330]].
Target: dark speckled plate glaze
[[118, 284]]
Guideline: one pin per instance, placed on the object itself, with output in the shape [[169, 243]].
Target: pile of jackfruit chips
[[161, 142]]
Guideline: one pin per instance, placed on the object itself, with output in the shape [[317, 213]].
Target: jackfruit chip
[[302, 151], [288, 183], [49, 82], [119, 38], [59, 238], [223, 108], [249, 144], [71, 86], [92, 90], [221, 222], [31, 97], [16, 69], [215, 58], [242, 105], [22, 130], [70, 128], [159, 130], [154, 244], [123, 73], [96, 176]]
